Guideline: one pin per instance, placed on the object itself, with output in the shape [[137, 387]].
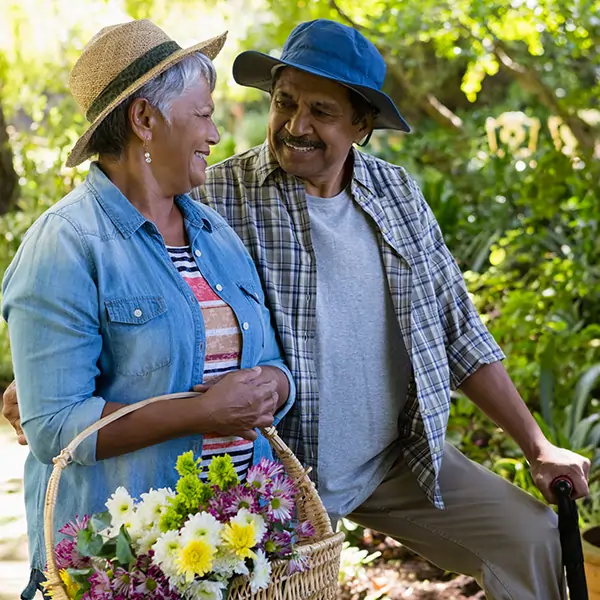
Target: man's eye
[[281, 104]]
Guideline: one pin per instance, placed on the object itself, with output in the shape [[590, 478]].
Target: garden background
[[503, 99]]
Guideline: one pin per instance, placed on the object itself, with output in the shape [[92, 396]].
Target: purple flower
[[101, 586], [257, 478], [244, 497], [282, 485], [72, 528], [278, 544], [67, 555], [270, 468], [221, 506], [305, 529], [299, 564], [122, 582]]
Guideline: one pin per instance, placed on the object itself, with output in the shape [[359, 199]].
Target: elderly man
[[377, 325]]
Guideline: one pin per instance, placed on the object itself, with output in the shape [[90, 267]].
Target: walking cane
[[570, 538]]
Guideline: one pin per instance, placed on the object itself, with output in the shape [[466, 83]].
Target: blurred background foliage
[[503, 100]]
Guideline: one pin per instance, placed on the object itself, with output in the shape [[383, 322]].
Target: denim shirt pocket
[[256, 327], [139, 334]]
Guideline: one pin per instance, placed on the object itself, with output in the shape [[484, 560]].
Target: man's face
[[311, 130]]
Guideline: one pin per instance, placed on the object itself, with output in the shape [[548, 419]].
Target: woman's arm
[[50, 302]]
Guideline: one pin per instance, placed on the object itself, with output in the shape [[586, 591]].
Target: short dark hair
[[361, 107]]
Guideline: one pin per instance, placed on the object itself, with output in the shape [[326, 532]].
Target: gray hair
[[113, 133]]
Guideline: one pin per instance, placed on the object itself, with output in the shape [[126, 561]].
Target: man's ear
[[365, 130]]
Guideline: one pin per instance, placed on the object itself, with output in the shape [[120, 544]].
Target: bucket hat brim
[[254, 69], [210, 48]]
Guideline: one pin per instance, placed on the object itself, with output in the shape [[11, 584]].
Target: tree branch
[[427, 102], [530, 81]]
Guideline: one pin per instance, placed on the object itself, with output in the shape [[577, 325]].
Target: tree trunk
[[8, 176]]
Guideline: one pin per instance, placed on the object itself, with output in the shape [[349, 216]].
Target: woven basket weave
[[319, 582]]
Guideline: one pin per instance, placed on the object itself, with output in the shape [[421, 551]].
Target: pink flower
[[72, 528]]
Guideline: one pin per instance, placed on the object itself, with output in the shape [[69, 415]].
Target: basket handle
[[309, 504]]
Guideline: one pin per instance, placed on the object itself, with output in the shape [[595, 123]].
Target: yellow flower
[[240, 538], [196, 558], [71, 586]]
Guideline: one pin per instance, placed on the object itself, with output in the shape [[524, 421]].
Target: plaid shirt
[[442, 331]]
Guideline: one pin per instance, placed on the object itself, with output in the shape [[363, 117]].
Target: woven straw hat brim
[[210, 48]]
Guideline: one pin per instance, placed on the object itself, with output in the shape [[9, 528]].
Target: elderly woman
[[127, 289]]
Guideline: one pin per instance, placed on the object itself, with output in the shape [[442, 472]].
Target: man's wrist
[[534, 447]]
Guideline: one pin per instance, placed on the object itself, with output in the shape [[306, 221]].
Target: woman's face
[[180, 145]]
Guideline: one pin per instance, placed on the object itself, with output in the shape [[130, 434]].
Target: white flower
[[202, 526], [228, 565], [261, 573], [121, 508], [148, 538], [166, 549], [245, 517], [205, 590], [153, 504]]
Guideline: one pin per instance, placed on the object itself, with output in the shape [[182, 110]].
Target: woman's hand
[[238, 402]]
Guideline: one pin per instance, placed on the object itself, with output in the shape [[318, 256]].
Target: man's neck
[[329, 187]]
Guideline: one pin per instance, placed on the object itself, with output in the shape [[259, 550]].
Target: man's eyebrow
[[333, 106], [321, 104]]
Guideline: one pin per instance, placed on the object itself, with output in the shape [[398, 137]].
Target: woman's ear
[[142, 118]]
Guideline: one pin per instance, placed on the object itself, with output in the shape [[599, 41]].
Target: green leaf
[[584, 387], [100, 521], [124, 554], [547, 385], [89, 543]]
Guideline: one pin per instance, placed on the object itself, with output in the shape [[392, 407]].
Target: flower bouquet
[[189, 543]]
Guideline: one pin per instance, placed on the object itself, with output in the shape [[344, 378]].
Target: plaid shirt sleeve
[[469, 344]]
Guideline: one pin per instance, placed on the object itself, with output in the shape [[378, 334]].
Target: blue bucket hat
[[331, 50]]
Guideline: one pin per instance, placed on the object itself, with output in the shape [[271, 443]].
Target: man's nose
[[299, 123]]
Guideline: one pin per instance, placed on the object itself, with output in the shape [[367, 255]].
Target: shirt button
[[246, 326], [198, 253], [436, 449], [137, 313], [219, 287]]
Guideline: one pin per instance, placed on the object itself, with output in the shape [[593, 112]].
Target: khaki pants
[[490, 529]]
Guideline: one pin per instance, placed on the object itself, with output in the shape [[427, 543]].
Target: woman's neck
[[138, 185]]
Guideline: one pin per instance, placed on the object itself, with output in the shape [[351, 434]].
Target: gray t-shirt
[[362, 365]]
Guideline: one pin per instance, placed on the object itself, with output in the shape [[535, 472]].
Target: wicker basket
[[320, 582]]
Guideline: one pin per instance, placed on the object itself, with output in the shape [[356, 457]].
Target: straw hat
[[117, 62]]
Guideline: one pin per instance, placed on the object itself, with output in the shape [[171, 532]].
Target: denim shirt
[[97, 313]]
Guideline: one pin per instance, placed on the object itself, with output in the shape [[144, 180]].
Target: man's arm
[[474, 360], [491, 389]]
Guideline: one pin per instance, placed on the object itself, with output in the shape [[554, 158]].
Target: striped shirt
[[223, 351], [443, 334]]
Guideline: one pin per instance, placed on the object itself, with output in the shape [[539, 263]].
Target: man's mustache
[[300, 142]]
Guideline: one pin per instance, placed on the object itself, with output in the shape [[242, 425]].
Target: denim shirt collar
[[126, 217]]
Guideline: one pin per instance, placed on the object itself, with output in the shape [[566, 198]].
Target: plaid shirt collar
[[267, 165]]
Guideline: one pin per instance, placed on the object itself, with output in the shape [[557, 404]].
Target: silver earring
[[147, 156]]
